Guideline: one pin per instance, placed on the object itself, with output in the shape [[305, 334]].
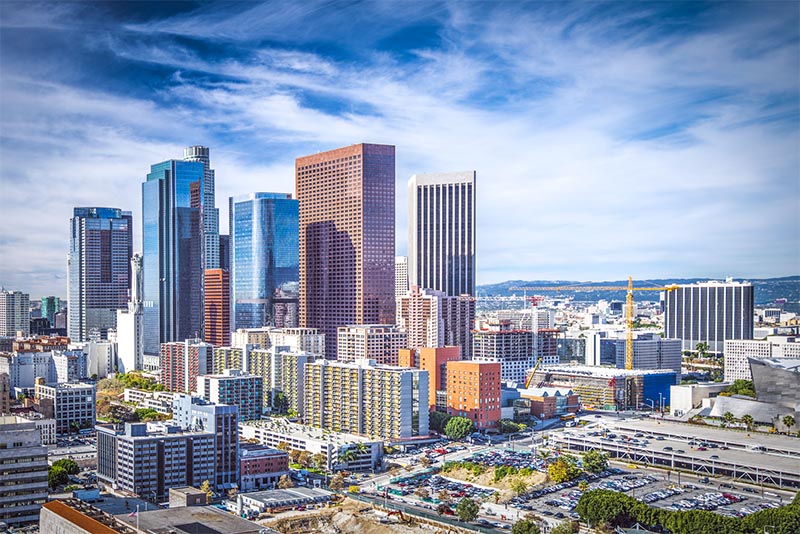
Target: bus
[[568, 417]]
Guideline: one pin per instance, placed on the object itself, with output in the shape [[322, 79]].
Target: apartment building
[[236, 388], [473, 391], [283, 372], [309, 340], [379, 342], [419, 314], [435, 360], [514, 349], [182, 362], [23, 462]]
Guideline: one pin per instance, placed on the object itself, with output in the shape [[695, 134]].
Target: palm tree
[[789, 422], [347, 456], [728, 418], [544, 454], [748, 421]]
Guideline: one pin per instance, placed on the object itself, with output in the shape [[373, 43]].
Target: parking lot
[[517, 459]]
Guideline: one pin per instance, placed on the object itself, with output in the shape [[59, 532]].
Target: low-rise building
[[686, 397], [280, 499], [261, 467], [546, 403], [160, 401], [73, 404], [45, 425]]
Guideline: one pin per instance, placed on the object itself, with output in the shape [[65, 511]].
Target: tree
[[283, 446], [304, 459], [285, 482], [518, 486], [444, 496], [205, 487], [544, 454], [347, 456], [467, 509], [583, 485], [422, 492], [337, 482], [438, 420], [525, 526], [728, 418], [595, 461], [565, 527], [69, 466], [563, 469], [458, 428], [507, 426], [788, 421], [294, 455], [320, 460], [57, 476], [702, 350], [748, 421]]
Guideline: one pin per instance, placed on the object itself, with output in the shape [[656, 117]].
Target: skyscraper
[[419, 313], [50, 307], [217, 307], [130, 324], [172, 240], [15, 313], [346, 238], [208, 211], [264, 259], [441, 232], [101, 245], [400, 276], [709, 312]]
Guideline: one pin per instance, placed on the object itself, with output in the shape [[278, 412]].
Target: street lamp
[[661, 403]]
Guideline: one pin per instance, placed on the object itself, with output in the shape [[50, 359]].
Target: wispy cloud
[[651, 139]]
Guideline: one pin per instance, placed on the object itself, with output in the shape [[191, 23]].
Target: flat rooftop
[[602, 372], [284, 426], [280, 496], [191, 520]]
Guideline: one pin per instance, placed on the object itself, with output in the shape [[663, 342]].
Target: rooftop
[[191, 520], [284, 426], [279, 496], [87, 517], [602, 372]]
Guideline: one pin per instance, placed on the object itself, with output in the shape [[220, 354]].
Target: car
[[704, 480], [660, 438], [726, 485], [701, 449], [749, 490], [714, 457], [680, 451], [598, 416], [667, 449]]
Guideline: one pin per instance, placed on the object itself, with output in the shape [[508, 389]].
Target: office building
[[738, 353], [379, 342], [435, 360], [261, 467], [652, 352], [68, 366], [400, 276], [130, 323], [181, 362], [225, 252], [264, 260], [236, 388], [473, 391], [217, 307], [366, 398], [283, 372], [222, 421], [73, 404], [514, 349], [173, 242], [441, 232], [346, 238], [709, 312], [419, 314], [209, 211], [23, 490], [50, 307], [147, 459], [5, 393], [458, 316], [15, 313], [100, 249]]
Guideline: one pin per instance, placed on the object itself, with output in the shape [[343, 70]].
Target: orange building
[[407, 358], [473, 391], [434, 360], [217, 308]]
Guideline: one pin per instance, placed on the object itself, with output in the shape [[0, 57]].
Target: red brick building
[[473, 391], [217, 307], [261, 467]]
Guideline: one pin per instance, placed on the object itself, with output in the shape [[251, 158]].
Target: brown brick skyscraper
[[346, 238], [217, 308]]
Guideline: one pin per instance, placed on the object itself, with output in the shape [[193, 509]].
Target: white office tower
[[210, 212], [15, 315], [130, 325], [739, 351], [709, 312], [400, 276], [441, 232]]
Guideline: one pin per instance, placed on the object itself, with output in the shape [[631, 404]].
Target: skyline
[[603, 135]]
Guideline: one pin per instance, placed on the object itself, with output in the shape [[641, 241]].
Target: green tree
[[544, 454], [285, 482], [467, 509], [337, 482], [525, 526], [748, 420], [595, 461], [788, 421], [320, 460], [69, 466], [205, 487], [507, 426], [347, 455], [438, 420], [565, 527], [57, 476], [563, 469], [304, 459], [728, 418], [583, 485], [458, 428], [518, 486], [702, 350]]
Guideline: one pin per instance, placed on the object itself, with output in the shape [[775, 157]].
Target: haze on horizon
[[659, 140]]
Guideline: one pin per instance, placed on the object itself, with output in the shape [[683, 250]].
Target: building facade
[[100, 250], [130, 323], [400, 276], [458, 316], [181, 362], [435, 360], [738, 353], [261, 467], [514, 349], [209, 213], [217, 302], [24, 461], [15, 313], [265, 268], [347, 238], [709, 312], [379, 342], [50, 307], [652, 354], [73, 404], [419, 313], [235, 388], [441, 232], [473, 391]]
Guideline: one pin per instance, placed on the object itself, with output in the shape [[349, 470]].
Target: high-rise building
[[208, 210], [434, 360], [283, 371], [172, 237], [514, 349], [100, 249], [217, 307], [309, 340], [182, 362], [130, 323], [73, 404], [458, 314], [365, 398], [419, 313], [379, 342], [651, 352], [400, 276], [236, 388], [24, 461], [473, 391], [15, 313], [5, 393], [738, 353], [229, 358], [346, 238], [441, 232], [50, 307], [709, 312], [264, 258], [225, 252]]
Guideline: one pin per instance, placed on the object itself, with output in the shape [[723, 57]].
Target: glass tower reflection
[[264, 260]]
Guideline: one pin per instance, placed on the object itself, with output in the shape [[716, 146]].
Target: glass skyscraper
[[99, 265], [172, 236], [264, 259]]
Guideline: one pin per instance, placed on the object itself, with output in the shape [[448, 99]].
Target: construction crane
[[530, 378], [628, 306]]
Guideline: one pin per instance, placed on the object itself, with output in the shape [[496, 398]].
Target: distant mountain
[[766, 289]]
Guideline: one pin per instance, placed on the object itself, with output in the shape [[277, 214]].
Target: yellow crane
[[530, 378], [628, 306]]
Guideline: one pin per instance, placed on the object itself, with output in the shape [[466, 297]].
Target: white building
[[739, 350], [309, 340], [236, 388], [130, 324], [24, 461], [73, 404], [400, 276], [45, 425], [102, 359], [15, 315], [686, 397], [379, 342], [24, 367]]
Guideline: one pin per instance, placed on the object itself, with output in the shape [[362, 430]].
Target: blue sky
[[652, 139]]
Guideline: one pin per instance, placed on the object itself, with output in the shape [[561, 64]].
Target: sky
[[655, 140]]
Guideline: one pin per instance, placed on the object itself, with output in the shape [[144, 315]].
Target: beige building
[[419, 313], [737, 352], [283, 372], [379, 342], [309, 340]]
